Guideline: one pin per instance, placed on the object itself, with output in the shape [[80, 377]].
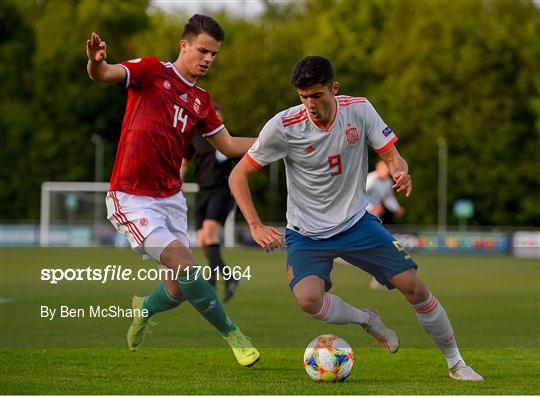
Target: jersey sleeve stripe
[[252, 161], [347, 98], [350, 102], [213, 132], [301, 113], [127, 75], [296, 121], [387, 146]]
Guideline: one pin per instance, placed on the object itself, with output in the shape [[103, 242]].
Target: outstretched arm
[[267, 237], [98, 69], [230, 146], [399, 170]]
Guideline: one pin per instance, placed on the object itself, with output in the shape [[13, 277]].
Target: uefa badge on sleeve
[[387, 131]]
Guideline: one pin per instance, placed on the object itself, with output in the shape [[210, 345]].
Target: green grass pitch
[[494, 305]]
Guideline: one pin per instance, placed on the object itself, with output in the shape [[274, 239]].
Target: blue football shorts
[[367, 245]]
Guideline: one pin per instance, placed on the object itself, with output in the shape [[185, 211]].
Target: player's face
[[197, 54], [320, 102]]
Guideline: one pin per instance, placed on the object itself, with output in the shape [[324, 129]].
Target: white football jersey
[[326, 169], [380, 192]]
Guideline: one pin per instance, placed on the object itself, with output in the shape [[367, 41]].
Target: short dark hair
[[312, 70], [198, 24]]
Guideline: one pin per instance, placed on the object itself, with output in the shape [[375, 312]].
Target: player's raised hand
[[269, 238], [403, 181], [96, 49]]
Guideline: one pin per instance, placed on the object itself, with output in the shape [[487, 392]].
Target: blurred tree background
[[466, 71]]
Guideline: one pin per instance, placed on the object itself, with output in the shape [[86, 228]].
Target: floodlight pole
[[443, 183]]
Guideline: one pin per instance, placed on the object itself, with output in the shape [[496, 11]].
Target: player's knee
[[211, 230], [177, 258], [201, 243], [415, 292], [207, 237], [310, 303], [411, 286]]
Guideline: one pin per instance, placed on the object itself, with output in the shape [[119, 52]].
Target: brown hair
[[198, 24], [312, 70]]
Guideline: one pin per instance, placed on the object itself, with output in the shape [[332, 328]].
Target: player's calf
[[433, 318]]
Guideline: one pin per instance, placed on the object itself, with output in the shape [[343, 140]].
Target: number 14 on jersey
[[179, 116]]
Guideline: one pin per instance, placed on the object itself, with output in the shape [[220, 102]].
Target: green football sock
[[203, 298], [160, 300]]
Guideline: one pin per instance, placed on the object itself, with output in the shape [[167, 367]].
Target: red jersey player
[[165, 108]]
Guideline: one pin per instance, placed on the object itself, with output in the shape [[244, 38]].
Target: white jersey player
[[380, 192], [318, 160], [324, 144]]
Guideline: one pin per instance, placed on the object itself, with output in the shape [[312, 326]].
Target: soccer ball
[[328, 359]]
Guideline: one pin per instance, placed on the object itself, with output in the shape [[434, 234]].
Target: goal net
[[74, 214]]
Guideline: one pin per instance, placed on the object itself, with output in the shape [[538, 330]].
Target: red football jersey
[[163, 111]]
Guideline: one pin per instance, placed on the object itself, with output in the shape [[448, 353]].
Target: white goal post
[[48, 188]]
